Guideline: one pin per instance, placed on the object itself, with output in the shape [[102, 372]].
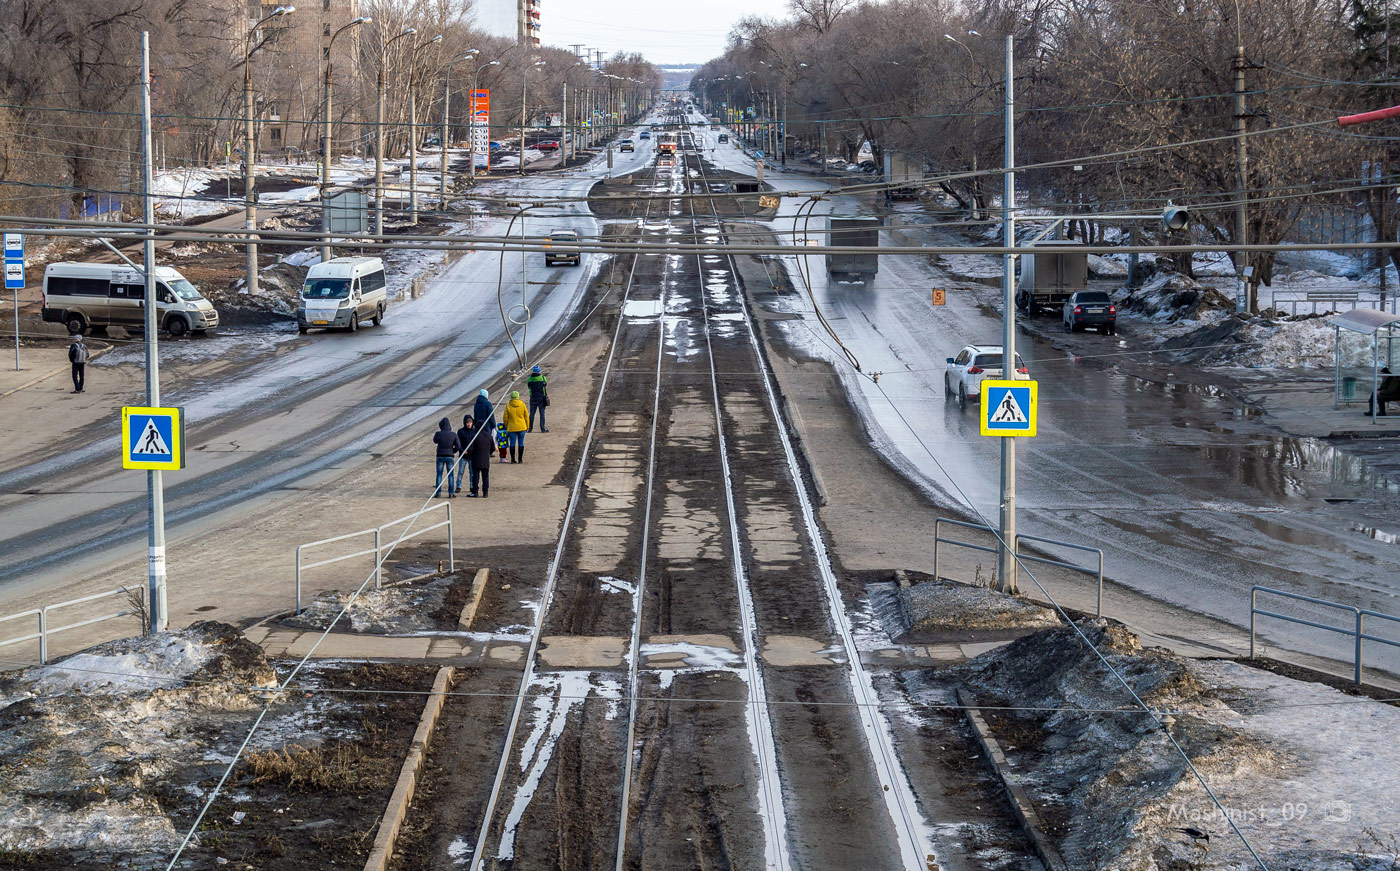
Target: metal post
[[1360, 631], [376, 559], [379, 145], [250, 209], [155, 496], [1006, 568], [564, 127], [451, 560], [524, 79], [43, 636], [442, 141], [326, 165], [1253, 600], [298, 581], [1242, 292], [412, 139], [16, 329]]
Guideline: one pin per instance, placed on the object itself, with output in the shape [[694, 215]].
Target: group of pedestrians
[[467, 453]]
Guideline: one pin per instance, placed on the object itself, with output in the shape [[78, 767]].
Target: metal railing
[[379, 546], [1096, 572], [1357, 632], [45, 630], [1333, 299]]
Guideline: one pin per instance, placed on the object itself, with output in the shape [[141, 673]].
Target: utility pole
[[1243, 294], [155, 487], [1006, 557], [413, 129], [326, 141], [379, 131]]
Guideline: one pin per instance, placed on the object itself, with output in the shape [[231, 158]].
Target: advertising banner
[[481, 128]]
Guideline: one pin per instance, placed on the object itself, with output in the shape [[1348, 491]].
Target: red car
[[551, 145]]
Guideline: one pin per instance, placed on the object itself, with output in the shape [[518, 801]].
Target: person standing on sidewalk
[[484, 412], [517, 420], [447, 449], [78, 356], [539, 397], [477, 447]]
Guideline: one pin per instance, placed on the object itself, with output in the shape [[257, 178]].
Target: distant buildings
[[510, 18]]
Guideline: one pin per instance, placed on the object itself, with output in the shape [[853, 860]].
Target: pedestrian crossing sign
[[1008, 408], [153, 438]]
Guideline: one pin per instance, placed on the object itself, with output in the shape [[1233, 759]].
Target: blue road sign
[[14, 261], [1009, 408], [14, 246], [153, 438]]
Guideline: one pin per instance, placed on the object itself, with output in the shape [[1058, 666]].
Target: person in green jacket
[[539, 397]]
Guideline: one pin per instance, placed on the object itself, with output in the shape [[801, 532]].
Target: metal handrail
[[1358, 633], [45, 630], [379, 547], [981, 527]]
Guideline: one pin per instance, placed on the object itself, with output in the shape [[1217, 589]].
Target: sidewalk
[[1304, 408], [41, 364]]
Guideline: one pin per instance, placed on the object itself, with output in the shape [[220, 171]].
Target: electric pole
[[1244, 296]]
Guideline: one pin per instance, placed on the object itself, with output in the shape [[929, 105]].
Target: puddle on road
[[642, 308]]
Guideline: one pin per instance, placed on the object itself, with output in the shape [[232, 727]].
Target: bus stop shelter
[[1379, 326]]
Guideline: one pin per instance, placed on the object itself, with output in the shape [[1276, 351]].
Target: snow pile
[[388, 610], [1170, 297], [85, 742], [972, 265], [1304, 344], [1116, 794], [937, 605]]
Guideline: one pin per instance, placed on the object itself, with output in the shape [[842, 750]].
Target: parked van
[[343, 292], [85, 296]]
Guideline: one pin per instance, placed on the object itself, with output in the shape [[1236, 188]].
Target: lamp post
[[972, 139], [250, 208], [442, 142], [326, 140], [413, 129], [472, 104], [524, 79], [379, 132]]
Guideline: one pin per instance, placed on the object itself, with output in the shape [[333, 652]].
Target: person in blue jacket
[[447, 450]]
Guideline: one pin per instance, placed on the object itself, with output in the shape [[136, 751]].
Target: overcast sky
[[664, 31]]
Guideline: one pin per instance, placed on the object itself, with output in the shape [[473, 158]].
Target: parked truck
[[1050, 271], [903, 174], [849, 232]]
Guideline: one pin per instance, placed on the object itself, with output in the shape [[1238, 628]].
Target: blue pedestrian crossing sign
[[153, 438], [1008, 408]]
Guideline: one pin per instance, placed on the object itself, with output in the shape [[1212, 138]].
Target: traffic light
[[1175, 218]]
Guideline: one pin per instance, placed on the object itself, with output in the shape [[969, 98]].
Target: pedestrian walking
[[447, 449], [517, 421], [477, 447], [78, 356], [539, 397], [1389, 391]]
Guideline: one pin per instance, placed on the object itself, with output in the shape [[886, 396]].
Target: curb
[[61, 369], [408, 776], [1020, 801], [464, 621]]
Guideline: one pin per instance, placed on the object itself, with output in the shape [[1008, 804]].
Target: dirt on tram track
[[687, 609]]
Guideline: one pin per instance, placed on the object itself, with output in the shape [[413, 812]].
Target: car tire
[[948, 393], [962, 397], [76, 324], [379, 316], [354, 322], [301, 329], [177, 328]]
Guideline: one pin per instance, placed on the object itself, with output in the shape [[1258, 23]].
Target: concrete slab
[[580, 651], [783, 650], [971, 650]]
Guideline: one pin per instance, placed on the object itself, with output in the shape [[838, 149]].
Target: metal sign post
[[155, 487], [14, 277]]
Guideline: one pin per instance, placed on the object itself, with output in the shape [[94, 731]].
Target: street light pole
[[976, 183], [250, 208], [413, 130], [1242, 295], [446, 99], [524, 79], [379, 132], [1006, 557], [326, 142], [155, 487]]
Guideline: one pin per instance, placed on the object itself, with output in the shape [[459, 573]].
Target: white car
[[974, 364]]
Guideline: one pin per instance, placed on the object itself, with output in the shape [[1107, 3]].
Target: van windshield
[[326, 288], [184, 290]]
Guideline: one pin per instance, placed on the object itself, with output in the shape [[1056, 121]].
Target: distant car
[[645, 134], [626, 145], [563, 248], [724, 137], [547, 145], [975, 363], [495, 146], [1090, 308]]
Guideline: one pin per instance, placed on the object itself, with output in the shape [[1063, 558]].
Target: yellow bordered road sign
[[1009, 408], [153, 438]]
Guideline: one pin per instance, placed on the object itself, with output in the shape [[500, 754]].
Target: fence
[[379, 547], [1357, 632], [45, 630], [1097, 571], [1341, 299]]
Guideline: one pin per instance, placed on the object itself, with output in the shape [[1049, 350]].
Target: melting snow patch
[[642, 308], [613, 585]]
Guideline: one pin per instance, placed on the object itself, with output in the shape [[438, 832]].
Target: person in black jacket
[[78, 356], [539, 397], [484, 412], [477, 446], [447, 449]]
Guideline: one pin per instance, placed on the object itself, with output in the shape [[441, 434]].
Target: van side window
[[355, 287], [373, 281], [128, 291], [63, 285]]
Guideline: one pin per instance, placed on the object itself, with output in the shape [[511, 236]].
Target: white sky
[[664, 31]]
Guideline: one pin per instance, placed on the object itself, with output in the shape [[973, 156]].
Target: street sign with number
[[767, 202], [939, 297], [153, 438], [1009, 408]]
